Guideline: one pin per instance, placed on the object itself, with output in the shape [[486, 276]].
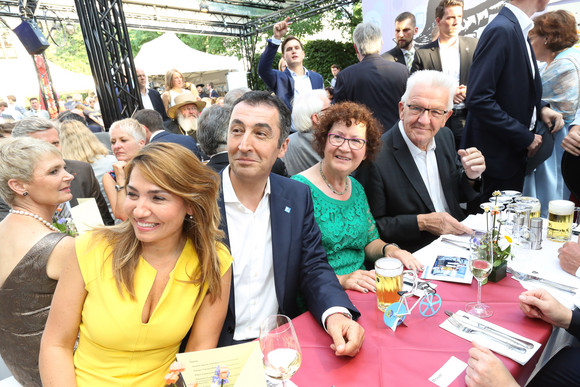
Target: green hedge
[[320, 55]]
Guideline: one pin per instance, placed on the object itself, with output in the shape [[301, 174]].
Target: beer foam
[[561, 207], [535, 203], [388, 267]]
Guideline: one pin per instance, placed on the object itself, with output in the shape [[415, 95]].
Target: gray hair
[[132, 127], [304, 107], [19, 157], [367, 38], [29, 125], [233, 95], [431, 79], [212, 130]]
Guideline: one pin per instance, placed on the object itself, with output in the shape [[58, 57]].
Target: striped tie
[[409, 60]]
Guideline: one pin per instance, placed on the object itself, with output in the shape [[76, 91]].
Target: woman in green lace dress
[[347, 135]]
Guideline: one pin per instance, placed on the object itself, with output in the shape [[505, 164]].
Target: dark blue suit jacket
[[501, 96], [282, 83], [186, 141], [397, 194], [157, 103], [300, 263]]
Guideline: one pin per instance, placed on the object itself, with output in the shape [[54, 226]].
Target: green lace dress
[[346, 226]]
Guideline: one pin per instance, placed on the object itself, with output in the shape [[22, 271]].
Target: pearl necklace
[[35, 217], [330, 186]]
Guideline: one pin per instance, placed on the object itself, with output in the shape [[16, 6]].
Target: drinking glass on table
[[279, 345], [480, 263]]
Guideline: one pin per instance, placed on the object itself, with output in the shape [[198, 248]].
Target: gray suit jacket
[[429, 58], [397, 194]]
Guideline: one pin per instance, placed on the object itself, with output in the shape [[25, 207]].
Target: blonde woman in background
[[79, 143], [174, 86]]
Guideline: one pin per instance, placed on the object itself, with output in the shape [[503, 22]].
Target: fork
[[529, 277], [468, 330]]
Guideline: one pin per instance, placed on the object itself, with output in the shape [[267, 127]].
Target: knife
[[455, 243], [492, 330], [529, 277]]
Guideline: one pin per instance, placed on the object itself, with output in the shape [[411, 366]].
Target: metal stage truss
[[105, 26]]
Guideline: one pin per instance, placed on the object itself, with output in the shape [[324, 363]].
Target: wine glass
[[279, 345], [480, 263]]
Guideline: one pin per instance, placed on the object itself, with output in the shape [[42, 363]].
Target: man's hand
[[441, 223], [460, 94], [473, 162], [484, 369], [359, 280], [569, 256], [571, 143], [347, 335], [538, 303], [281, 28], [534, 147], [551, 117]]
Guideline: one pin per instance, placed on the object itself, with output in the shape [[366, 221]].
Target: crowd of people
[[396, 153]]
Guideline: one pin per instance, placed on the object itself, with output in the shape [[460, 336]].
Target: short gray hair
[[29, 125], [132, 127], [212, 129], [367, 38], [18, 159], [233, 95], [304, 107], [431, 79]]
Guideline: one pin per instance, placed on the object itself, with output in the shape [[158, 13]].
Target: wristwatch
[[387, 245], [119, 187]]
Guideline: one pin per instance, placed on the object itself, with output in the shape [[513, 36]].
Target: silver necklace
[[37, 217], [330, 185]]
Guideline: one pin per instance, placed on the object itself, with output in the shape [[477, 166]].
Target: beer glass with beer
[[389, 276], [534, 202], [560, 214]]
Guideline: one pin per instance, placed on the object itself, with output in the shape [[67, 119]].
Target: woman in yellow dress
[[135, 289]]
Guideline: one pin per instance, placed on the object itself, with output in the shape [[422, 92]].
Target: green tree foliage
[[71, 55], [321, 54]]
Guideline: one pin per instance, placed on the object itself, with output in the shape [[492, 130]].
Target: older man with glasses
[[417, 182]]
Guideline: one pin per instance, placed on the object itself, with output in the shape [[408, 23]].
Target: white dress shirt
[[526, 24], [426, 163], [450, 60], [147, 104], [302, 83], [251, 247]]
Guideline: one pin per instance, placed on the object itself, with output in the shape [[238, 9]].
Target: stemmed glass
[[279, 345], [480, 263]]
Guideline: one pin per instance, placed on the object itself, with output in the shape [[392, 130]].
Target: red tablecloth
[[409, 356]]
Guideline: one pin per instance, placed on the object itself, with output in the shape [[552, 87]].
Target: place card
[[449, 372], [86, 215], [244, 362]]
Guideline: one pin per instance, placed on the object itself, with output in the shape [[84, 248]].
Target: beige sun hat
[[183, 99]]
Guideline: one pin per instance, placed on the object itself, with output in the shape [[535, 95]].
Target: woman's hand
[[359, 280], [119, 168], [408, 260]]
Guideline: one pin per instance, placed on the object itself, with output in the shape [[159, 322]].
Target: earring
[[25, 193], [190, 217]]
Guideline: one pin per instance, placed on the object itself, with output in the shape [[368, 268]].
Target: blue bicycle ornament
[[429, 303]]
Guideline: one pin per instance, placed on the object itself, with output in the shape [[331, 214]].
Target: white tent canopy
[[18, 76], [169, 52]]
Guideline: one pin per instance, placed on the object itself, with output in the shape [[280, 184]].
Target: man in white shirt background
[[150, 97]]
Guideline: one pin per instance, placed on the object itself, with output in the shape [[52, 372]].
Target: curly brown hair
[[559, 29], [351, 114]]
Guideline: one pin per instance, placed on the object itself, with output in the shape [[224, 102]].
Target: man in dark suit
[[452, 54], [504, 98], [150, 97], [155, 132], [416, 183], [404, 51], [84, 184], [374, 82], [272, 234], [296, 79]]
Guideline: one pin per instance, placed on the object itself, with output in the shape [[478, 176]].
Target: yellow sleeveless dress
[[115, 347]]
